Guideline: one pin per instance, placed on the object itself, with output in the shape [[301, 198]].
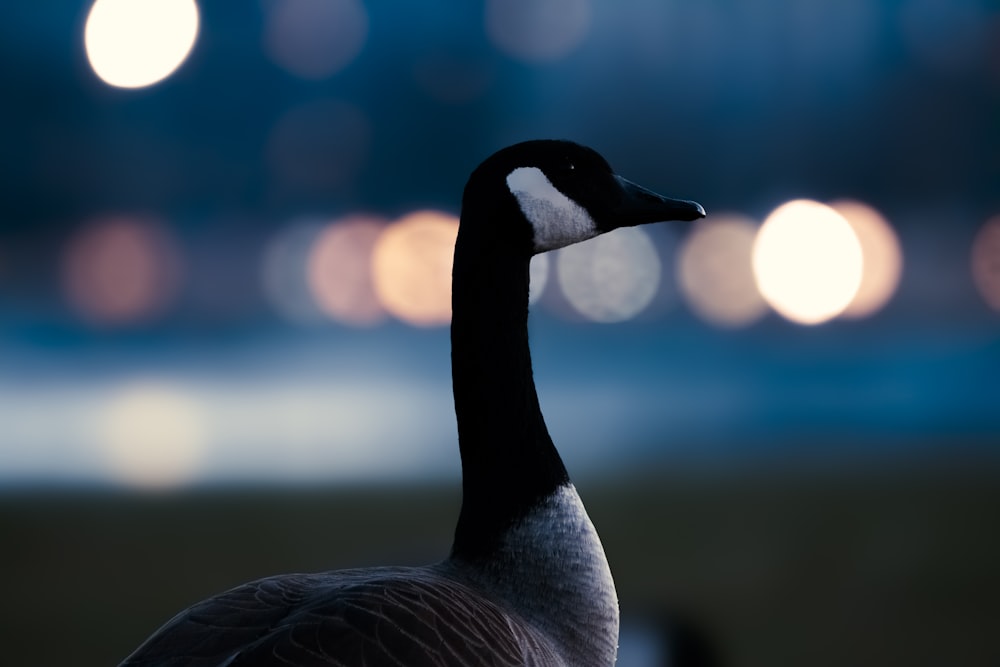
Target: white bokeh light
[[807, 261], [133, 44], [538, 277], [882, 258], [610, 278], [152, 435]]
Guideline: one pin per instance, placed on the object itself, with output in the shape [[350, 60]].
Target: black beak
[[639, 206]]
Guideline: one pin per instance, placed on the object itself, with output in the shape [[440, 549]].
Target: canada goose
[[527, 581]]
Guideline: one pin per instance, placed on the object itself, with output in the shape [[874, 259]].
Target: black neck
[[509, 463]]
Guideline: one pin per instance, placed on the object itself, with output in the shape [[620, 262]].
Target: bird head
[[568, 193]]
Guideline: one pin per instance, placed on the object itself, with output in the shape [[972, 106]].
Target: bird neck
[[509, 464]]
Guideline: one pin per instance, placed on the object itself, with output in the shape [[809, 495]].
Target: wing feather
[[383, 617]]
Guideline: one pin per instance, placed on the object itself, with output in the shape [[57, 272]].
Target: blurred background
[[225, 246]]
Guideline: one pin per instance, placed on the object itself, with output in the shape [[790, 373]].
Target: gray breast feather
[[412, 617]]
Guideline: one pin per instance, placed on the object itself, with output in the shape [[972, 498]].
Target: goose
[[527, 581]]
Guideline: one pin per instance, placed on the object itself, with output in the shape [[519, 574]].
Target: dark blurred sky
[[739, 104]]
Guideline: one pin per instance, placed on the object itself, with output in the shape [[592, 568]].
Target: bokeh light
[[121, 271], [412, 267], [152, 435], [537, 30], [538, 277], [882, 258], [610, 278], [134, 44], [986, 262], [340, 271], [318, 148], [283, 272], [807, 261], [314, 39], [715, 271]]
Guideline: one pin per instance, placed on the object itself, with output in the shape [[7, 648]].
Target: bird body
[[505, 611], [527, 581]]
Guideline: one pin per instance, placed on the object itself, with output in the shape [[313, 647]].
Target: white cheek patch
[[557, 220]]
